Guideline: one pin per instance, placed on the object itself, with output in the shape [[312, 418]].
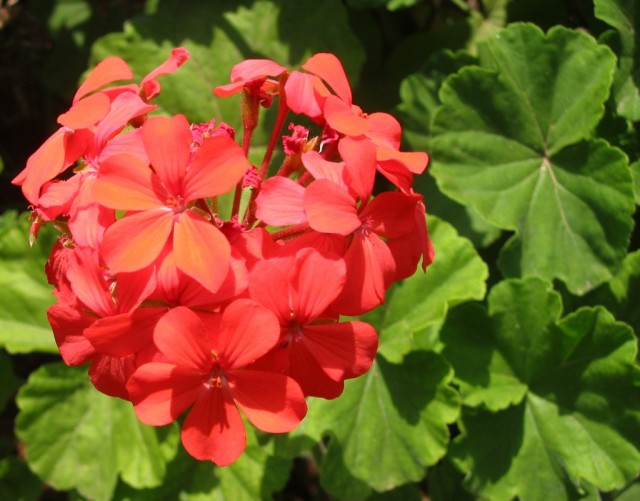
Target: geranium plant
[[249, 301]]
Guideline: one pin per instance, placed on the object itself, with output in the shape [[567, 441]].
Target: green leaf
[[419, 100], [456, 275], [387, 426], [624, 16], [78, 438], [577, 415], [9, 380], [255, 475], [511, 144], [221, 34], [24, 292], [17, 482], [635, 174], [621, 295]]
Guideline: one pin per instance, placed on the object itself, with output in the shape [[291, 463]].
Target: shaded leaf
[[17, 482], [221, 34], [255, 475], [624, 16], [577, 413], [9, 380], [621, 295]]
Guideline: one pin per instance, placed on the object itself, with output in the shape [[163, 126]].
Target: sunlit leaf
[[511, 144], [388, 426], [78, 438]]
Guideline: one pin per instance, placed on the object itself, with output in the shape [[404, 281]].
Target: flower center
[[176, 203]]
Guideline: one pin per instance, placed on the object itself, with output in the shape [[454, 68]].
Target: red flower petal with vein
[[330, 209], [105, 72], [86, 112], [342, 117], [305, 94], [318, 354], [370, 272], [328, 67], [246, 72], [280, 202], [201, 250], [168, 144], [136, 240]]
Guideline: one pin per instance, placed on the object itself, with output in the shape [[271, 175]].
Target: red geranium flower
[[205, 364]]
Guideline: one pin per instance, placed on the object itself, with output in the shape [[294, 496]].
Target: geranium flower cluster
[[182, 307]]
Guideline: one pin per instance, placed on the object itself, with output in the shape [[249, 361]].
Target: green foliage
[[511, 142], [566, 391], [529, 113], [77, 438], [24, 292]]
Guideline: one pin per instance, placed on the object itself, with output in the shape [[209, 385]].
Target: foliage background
[[508, 370]]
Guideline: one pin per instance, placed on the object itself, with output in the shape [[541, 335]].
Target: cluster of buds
[[180, 308]]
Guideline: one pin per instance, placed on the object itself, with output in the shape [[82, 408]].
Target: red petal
[[414, 161], [360, 165], [133, 288], [329, 68], [106, 71], [177, 58], [251, 69], [343, 350], [213, 429], [280, 202], [167, 141], [160, 392], [228, 89], [86, 112], [217, 168], [126, 183], [68, 325], [87, 280], [391, 214], [201, 250], [182, 337], [370, 271], [247, 331], [136, 240], [307, 372], [318, 280], [384, 130], [330, 209], [269, 286], [46, 163], [272, 402], [341, 117], [124, 108], [109, 375], [305, 94], [124, 334], [320, 168]]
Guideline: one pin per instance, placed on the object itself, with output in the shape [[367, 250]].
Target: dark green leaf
[[8, 379], [575, 387], [624, 16]]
